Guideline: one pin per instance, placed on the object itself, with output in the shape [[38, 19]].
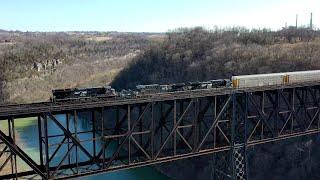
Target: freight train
[[236, 82]]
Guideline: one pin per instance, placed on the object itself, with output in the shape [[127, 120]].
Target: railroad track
[[42, 107]]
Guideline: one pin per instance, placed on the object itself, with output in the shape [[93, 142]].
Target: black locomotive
[[140, 90], [82, 93]]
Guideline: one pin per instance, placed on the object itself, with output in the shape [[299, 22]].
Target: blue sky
[[152, 15]]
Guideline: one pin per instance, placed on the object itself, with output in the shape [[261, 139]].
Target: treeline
[[199, 54], [22, 50]]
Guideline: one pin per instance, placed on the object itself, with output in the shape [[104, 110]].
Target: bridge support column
[[239, 163], [239, 136], [232, 164]]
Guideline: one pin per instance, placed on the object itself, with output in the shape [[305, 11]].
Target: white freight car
[[257, 80], [286, 78], [303, 76]]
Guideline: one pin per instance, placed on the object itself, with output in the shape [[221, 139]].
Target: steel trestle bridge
[[160, 128]]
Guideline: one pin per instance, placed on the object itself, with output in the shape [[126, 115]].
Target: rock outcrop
[[46, 66]]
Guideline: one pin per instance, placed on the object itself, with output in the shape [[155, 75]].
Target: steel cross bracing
[[146, 133]]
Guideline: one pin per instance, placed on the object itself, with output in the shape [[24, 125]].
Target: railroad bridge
[[161, 128]]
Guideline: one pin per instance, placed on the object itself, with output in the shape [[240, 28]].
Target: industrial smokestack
[[311, 21], [296, 21]]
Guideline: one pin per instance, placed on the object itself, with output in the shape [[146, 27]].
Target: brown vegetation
[[91, 59], [34, 63], [30, 48], [198, 54]]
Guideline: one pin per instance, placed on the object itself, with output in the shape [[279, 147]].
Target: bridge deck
[[25, 110]]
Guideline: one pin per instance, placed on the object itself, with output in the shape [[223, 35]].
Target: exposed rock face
[[48, 65], [37, 66]]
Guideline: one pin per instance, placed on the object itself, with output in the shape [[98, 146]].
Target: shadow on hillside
[[198, 54]]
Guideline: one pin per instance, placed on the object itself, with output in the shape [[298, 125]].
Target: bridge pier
[[239, 136]]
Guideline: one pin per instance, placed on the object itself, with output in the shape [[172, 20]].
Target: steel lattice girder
[[135, 135], [282, 114]]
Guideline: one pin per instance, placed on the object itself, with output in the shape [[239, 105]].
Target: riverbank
[[7, 168], [20, 124]]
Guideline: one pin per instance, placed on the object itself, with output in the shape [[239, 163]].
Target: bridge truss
[[140, 134]]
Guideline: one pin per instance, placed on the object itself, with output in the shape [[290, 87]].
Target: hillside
[[34, 63], [198, 54]]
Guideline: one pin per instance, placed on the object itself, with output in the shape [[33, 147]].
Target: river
[[26, 137]]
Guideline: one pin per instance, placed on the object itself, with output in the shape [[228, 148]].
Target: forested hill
[[199, 54], [34, 63]]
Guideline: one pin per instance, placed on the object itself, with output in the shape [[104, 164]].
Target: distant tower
[[296, 21], [311, 21]]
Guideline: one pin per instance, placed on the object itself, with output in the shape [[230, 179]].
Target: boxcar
[[258, 80], [287, 78], [303, 76]]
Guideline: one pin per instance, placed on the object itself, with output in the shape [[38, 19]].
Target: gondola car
[[179, 87], [193, 85], [147, 89], [220, 83], [128, 93]]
